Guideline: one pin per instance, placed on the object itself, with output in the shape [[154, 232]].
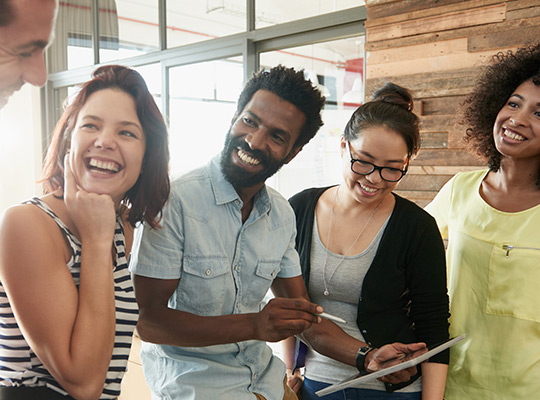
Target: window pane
[[152, 76], [337, 68], [191, 21], [273, 12], [72, 45], [202, 103], [128, 28]]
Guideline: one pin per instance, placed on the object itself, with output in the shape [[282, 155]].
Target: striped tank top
[[19, 366]]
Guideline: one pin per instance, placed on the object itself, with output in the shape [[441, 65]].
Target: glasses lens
[[363, 168], [391, 174]]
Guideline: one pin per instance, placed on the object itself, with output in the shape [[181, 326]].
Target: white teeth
[[106, 165], [368, 189], [513, 136], [247, 158]]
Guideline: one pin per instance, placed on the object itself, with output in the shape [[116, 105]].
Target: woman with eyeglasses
[[491, 218], [372, 258]]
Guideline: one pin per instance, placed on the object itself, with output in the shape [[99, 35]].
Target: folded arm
[[71, 331]]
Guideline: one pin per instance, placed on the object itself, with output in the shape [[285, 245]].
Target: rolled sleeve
[[290, 263], [158, 253]]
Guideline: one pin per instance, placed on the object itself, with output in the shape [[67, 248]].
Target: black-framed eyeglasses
[[361, 167]]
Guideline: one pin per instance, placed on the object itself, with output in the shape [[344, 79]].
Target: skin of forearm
[[324, 337], [166, 326], [93, 336], [433, 380]]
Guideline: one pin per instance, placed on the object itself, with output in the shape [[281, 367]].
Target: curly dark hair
[[493, 88], [149, 194], [293, 87], [391, 106]]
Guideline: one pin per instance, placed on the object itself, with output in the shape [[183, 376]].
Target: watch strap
[[361, 357]]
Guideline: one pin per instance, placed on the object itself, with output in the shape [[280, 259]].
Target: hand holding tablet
[[352, 382]]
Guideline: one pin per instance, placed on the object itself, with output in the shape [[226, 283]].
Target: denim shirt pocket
[[205, 285], [514, 274], [265, 273]]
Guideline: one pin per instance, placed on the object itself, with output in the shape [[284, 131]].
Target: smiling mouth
[[513, 135], [103, 166], [367, 189], [246, 158]]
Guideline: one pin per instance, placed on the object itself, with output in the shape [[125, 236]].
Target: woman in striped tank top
[[67, 307]]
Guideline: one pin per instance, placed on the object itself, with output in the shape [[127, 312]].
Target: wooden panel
[[380, 2], [523, 13], [437, 123], [434, 140], [424, 50], [414, 9], [455, 138], [428, 65], [423, 182], [441, 105], [506, 38], [410, 194], [440, 169], [447, 157], [421, 203], [434, 84], [485, 15], [519, 4], [420, 45], [446, 35]]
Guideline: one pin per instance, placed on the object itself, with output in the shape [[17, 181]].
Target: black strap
[[30, 393]]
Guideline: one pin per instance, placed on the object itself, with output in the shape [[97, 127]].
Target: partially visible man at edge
[[226, 239], [25, 32]]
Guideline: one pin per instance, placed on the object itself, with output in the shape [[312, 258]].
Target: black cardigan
[[404, 296]]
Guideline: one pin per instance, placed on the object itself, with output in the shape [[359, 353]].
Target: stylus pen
[[332, 317]]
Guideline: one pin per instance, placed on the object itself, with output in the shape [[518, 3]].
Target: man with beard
[[25, 30], [226, 240]]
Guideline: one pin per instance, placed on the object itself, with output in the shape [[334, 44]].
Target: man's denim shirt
[[225, 267]]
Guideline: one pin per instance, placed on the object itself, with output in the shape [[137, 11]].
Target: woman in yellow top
[[492, 220]]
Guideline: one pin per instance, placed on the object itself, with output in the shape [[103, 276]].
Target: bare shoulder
[[24, 227], [23, 218]]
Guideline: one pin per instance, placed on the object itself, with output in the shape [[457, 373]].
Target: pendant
[[326, 292]]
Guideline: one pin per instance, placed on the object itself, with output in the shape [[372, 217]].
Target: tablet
[[353, 381]]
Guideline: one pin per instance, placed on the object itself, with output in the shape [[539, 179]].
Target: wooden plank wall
[[435, 48]]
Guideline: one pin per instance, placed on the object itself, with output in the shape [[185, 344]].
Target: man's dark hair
[[293, 87], [493, 88], [7, 14]]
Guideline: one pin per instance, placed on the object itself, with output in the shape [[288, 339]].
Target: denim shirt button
[[236, 267], [208, 272]]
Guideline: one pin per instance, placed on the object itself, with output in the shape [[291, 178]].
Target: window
[[202, 104], [210, 53]]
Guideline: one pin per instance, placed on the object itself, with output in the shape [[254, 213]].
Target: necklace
[[326, 292]]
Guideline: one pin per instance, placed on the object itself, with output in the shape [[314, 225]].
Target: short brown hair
[[7, 15]]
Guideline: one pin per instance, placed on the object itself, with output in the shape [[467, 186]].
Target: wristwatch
[[361, 357]]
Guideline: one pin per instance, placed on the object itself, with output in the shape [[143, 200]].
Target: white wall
[[20, 147]]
